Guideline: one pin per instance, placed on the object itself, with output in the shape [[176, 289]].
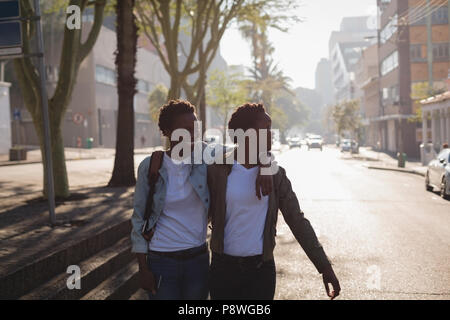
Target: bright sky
[[299, 51]]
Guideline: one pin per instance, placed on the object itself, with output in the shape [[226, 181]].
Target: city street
[[387, 237], [374, 225]]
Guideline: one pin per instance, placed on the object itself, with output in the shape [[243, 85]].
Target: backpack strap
[[153, 174]]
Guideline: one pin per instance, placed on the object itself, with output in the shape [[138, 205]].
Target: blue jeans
[[180, 279]]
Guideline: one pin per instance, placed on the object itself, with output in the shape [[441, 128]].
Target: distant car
[[314, 142], [346, 145], [438, 174], [295, 142]]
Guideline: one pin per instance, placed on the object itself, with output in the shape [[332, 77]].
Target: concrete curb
[[17, 163], [410, 171]]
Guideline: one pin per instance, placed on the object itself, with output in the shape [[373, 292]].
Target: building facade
[[345, 48], [92, 112], [413, 39], [436, 118], [368, 82], [324, 84]]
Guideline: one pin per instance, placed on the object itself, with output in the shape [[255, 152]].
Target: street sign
[[10, 29], [9, 9], [78, 118]]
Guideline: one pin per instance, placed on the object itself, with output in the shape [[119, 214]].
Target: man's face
[[264, 122], [185, 122]]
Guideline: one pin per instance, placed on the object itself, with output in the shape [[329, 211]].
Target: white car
[[438, 174], [314, 142]]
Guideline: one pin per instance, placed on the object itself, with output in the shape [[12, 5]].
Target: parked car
[[314, 141], [346, 145], [295, 142], [438, 174]]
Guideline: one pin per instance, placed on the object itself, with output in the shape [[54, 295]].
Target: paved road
[[387, 237]]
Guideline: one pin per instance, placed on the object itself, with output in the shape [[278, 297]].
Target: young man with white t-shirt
[[244, 227]]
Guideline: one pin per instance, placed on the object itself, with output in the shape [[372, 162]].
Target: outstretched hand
[[330, 277]]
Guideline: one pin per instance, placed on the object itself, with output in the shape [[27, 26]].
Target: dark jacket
[[282, 198]]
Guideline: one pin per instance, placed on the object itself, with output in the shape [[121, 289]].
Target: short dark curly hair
[[171, 110], [245, 116]]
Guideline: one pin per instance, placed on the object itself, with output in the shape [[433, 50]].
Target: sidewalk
[[71, 154], [383, 161]]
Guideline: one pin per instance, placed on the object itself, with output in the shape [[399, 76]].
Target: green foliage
[[347, 117], [156, 99], [225, 91], [294, 112], [421, 91]]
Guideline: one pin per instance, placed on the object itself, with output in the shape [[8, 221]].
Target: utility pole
[[429, 45]]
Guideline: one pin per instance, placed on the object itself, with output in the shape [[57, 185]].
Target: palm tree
[[127, 36]]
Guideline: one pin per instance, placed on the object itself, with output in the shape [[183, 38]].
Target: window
[[441, 51], [394, 94], [385, 93], [389, 30], [143, 86], [105, 75], [439, 16], [416, 53], [389, 63], [391, 94]]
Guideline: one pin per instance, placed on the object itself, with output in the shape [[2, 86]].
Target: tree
[[205, 22], [156, 99], [127, 37], [347, 117], [224, 93], [73, 52], [295, 113], [254, 22], [421, 91]]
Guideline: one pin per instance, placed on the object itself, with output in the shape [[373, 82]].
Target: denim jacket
[[197, 179]]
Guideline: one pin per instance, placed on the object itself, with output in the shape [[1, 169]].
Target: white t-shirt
[[245, 214], [183, 221]]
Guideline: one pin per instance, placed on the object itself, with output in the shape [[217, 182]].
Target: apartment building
[[368, 82], [345, 48], [413, 51]]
